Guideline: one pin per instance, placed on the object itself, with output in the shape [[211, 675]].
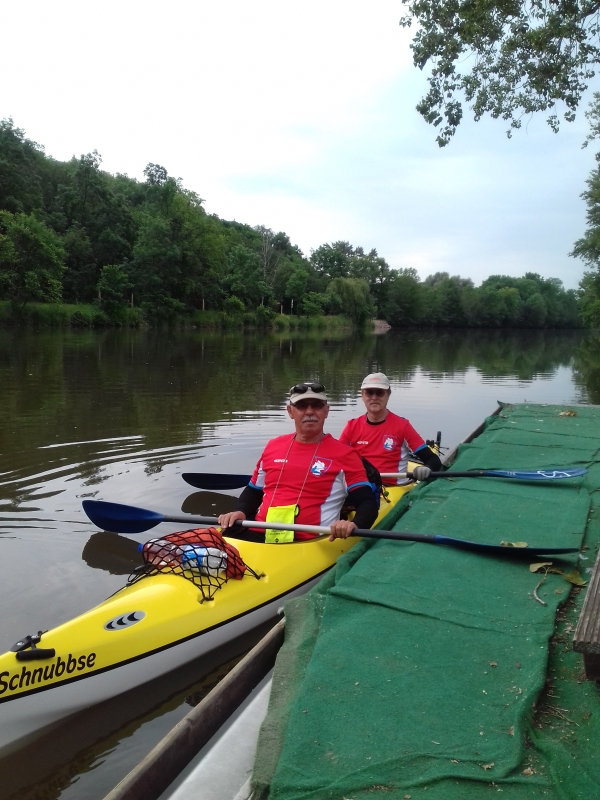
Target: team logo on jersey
[[389, 442], [320, 466]]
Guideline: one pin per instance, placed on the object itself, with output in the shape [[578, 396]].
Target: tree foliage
[[31, 260], [70, 229], [507, 59], [112, 287], [588, 247]]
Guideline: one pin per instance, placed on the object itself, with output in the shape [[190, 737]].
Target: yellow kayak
[[149, 628]]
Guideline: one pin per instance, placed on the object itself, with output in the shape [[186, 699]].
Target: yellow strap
[[285, 514]]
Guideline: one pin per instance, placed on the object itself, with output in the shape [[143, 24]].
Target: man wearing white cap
[[384, 438], [305, 477]]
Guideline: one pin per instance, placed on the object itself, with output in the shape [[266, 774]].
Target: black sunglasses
[[376, 392], [316, 405], [301, 388]]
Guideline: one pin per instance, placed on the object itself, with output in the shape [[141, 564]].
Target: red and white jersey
[[316, 478], [386, 444]]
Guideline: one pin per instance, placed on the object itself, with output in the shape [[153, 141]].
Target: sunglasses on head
[[376, 392], [302, 388]]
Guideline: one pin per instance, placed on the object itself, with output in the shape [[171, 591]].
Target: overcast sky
[[300, 117]]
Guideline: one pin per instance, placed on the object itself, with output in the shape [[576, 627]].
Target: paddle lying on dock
[[520, 475], [120, 518], [220, 482]]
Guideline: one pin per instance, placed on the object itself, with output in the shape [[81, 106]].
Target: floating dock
[[414, 670]]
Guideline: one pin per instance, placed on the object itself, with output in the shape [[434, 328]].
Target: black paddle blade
[[215, 482]]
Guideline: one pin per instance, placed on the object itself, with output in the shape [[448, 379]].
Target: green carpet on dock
[[423, 671]]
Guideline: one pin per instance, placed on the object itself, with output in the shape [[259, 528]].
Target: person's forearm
[[365, 503], [249, 502], [429, 458]]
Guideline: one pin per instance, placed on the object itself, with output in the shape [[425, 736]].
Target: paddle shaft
[[218, 482], [319, 529], [368, 533], [130, 519], [473, 473]]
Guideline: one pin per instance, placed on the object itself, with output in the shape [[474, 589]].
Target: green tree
[[295, 288], [31, 261], [508, 60], [404, 304], [156, 269], [314, 304], [443, 299], [99, 227], [511, 305], [589, 299], [112, 285], [269, 255], [244, 277], [155, 174], [332, 260], [535, 311], [20, 162], [233, 311], [374, 269], [350, 297], [81, 264], [588, 247]]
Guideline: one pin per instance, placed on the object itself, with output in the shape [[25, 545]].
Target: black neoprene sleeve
[[249, 501], [430, 459], [365, 504]]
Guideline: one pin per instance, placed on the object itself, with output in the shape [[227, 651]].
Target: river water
[[118, 415]]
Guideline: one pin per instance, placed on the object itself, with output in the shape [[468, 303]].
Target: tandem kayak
[[150, 628]]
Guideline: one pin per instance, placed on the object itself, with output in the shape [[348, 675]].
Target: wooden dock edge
[[149, 779], [587, 633]]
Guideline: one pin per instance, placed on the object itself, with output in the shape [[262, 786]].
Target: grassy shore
[[64, 315]]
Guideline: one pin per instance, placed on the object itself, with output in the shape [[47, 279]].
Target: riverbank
[[65, 315]]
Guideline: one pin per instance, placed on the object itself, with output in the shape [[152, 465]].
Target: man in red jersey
[[384, 438], [305, 477]]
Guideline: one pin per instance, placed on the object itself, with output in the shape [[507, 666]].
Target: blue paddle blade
[[538, 475], [118, 518]]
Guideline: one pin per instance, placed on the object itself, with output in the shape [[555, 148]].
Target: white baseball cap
[[376, 380], [311, 390]]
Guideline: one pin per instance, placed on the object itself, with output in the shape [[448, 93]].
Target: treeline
[[72, 233], [588, 247]]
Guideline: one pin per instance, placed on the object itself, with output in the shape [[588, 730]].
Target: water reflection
[[208, 504], [76, 402], [586, 367], [112, 552]]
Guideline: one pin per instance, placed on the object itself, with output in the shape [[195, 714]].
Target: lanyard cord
[[305, 477]]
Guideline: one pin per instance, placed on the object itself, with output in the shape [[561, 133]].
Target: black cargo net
[[200, 555]]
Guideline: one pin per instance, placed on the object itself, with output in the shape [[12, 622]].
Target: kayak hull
[[31, 713], [150, 628]]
